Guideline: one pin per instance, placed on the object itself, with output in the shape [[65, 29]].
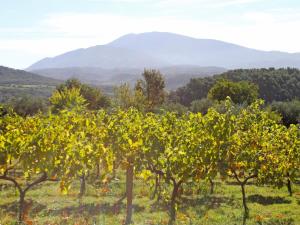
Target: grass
[[46, 204]]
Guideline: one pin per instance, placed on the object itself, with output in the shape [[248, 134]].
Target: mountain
[[103, 56], [175, 76], [158, 49]]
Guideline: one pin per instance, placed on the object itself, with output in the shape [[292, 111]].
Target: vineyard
[[126, 156]]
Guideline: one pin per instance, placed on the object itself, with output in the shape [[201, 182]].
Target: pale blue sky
[[34, 29]]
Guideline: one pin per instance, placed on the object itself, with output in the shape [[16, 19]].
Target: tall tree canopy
[[290, 111], [152, 86], [94, 97], [239, 92], [274, 84]]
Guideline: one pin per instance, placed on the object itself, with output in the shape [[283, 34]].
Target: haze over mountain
[[175, 76], [9, 76], [157, 49]]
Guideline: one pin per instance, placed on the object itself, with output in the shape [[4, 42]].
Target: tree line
[[273, 84]]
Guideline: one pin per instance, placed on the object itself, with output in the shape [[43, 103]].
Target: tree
[[174, 149], [239, 92], [201, 105], [274, 84], [290, 111], [83, 145], [285, 143], [29, 106], [25, 146], [126, 97], [67, 99], [152, 86], [94, 97], [216, 133], [249, 153], [126, 142]]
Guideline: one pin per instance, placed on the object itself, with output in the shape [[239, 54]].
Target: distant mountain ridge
[[175, 76], [104, 56], [9, 76], [159, 49]]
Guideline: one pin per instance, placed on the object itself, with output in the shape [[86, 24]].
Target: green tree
[[29, 106], [274, 84], [239, 92], [126, 97], [94, 97], [286, 146], [126, 141], [174, 149], [67, 99], [249, 153], [290, 111], [82, 146], [201, 105], [25, 147], [152, 86]]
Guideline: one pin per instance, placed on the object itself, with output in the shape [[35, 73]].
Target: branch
[[39, 180], [10, 168], [236, 177], [159, 172], [52, 179], [13, 181], [248, 178]]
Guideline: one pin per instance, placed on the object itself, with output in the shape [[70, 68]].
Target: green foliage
[[172, 107], [28, 106], [201, 105], [94, 97], [4, 110], [9, 76], [67, 99], [180, 148], [273, 84], [290, 111], [239, 92], [250, 153], [152, 86], [15, 84], [126, 97]]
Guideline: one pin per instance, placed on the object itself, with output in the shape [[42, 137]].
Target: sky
[[34, 29]]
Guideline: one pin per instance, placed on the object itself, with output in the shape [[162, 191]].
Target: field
[[47, 205]]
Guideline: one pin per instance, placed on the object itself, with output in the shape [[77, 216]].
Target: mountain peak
[[154, 49]]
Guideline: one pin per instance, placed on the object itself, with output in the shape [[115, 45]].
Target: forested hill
[[15, 84], [21, 77], [274, 84]]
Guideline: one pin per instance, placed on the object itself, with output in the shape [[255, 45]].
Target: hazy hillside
[[178, 49], [12, 76], [19, 83], [175, 75], [158, 49], [103, 56]]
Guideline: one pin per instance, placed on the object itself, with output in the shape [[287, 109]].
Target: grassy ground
[[46, 205]]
